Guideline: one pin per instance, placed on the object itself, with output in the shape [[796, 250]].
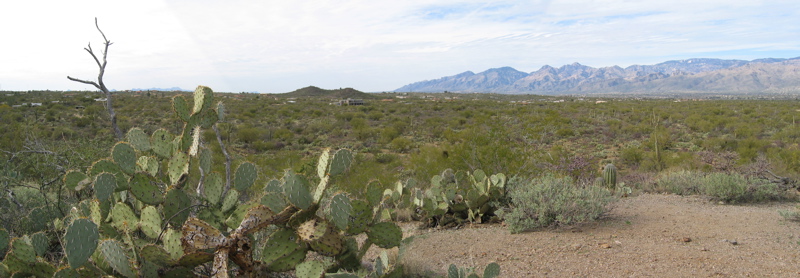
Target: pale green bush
[[550, 200]]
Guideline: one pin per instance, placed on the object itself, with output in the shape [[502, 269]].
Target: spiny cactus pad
[[150, 222], [178, 165], [147, 164], [157, 255], [296, 188], [125, 156], [115, 256], [213, 186], [105, 165], [161, 142], [181, 108], [491, 271], [172, 243], [195, 258], [145, 188], [123, 218], [360, 217], [40, 243], [230, 200], [104, 186], [341, 162], [274, 201], [340, 210], [310, 269], [203, 99], [283, 251], [245, 176], [205, 160], [385, 234], [76, 180], [176, 205], [139, 140], [80, 241], [323, 163]]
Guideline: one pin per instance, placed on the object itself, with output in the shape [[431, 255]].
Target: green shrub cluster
[[551, 200], [725, 187]]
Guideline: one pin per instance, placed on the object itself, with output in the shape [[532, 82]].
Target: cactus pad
[[76, 180], [40, 243], [195, 258], [181, 108], [177, 167], [157, 255], [150, 222], [145, 188], [172, 243], [147, 164], [282, 251], [125, 156], [341, 161], [213, 187], [139, 140], [340, 210], [245, 176], [161, 143], [491, 271], [123, 218], [274, 201], [205, 160], [176, 203], [104, 186], [323, 163], [203, 99], [80, 241], [105, 165], [296, 188], [115, 256], [310, 269], [230, 200], [4, 240], [385, 234], [360, 217]]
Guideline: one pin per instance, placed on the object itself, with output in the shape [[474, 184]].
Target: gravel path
[[644, 236]]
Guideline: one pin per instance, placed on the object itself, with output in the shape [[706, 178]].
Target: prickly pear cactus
[[80, 241]]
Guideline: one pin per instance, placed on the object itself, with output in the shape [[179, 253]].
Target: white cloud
[[279, 46]]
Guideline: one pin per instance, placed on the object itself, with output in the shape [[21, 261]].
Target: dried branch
[[100, 85]]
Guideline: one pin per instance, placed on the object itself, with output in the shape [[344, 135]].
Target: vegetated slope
[[312, 91], [692, 75]]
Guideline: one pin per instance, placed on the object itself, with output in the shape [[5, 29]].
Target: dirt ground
[[648, 235]]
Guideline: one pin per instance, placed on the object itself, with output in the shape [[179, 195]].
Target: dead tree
[[99, 84]]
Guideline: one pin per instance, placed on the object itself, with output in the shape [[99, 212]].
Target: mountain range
[[697, 75]]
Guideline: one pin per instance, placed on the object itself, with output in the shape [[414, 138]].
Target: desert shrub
[[678, 182], [735, 188], [550, 200], [724, 187]]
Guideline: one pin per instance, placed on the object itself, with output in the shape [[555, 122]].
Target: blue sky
[[279, 46]]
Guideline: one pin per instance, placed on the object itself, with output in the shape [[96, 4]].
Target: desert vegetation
[[215, 184]]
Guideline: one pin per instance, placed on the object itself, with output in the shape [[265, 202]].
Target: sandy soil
[[643, 236]]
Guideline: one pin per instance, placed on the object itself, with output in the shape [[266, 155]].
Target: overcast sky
[[373, 45]]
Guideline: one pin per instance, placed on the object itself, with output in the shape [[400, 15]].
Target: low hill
[[312, 91]]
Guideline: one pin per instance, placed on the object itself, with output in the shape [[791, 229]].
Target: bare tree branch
[[100, 85]]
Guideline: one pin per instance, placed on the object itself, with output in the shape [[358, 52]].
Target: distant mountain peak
[[688, 75]]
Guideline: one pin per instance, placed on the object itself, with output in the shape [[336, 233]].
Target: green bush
[[735, 188], [549, 201], [724, 187], [679, 182]]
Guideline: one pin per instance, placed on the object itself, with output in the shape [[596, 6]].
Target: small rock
[[685, 239], [704, 249], [605, 245]]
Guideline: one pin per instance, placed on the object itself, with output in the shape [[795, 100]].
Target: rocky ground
[[649, 235]]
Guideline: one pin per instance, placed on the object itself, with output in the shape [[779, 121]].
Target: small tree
[[100, 84]]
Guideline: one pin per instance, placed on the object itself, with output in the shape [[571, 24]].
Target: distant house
[[351, 101], [36, 104], [79, 107]]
